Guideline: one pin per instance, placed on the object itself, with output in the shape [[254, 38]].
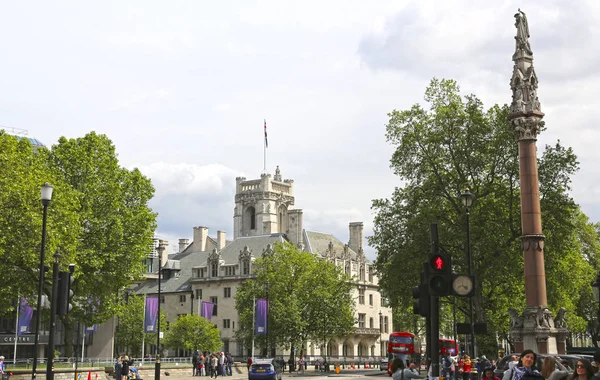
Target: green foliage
[[456, 142], [193, 332], [129, 334], [310, 299], [98, 219]]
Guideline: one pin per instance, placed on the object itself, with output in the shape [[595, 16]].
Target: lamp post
[[160, 250], [268, 317], [380, 342], [46, 198], [53, 311], [467, 199]]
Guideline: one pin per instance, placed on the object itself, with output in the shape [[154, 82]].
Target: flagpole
[[144, 333], [83, 345], [253, 323], [17, 329], [265, 144]]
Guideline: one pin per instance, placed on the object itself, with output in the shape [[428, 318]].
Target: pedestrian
[[583, 370], [125, 367], [214, 366], [195, 359], [249, 363], [397, 369], [201, 365], [549, 370], [222, 364], [2, 368], [411, 371], [466, 365], [525, 369], [229, 359], [488, 374], [291, 364], [118, 368], [596, 362]]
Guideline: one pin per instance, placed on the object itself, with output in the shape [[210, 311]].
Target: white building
[[211, 269]]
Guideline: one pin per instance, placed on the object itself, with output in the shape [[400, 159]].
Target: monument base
[[535, 329]]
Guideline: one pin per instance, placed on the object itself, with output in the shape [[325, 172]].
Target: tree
[[193, 332], [129, 334], [456, 142], [99, 219], [309, 299]]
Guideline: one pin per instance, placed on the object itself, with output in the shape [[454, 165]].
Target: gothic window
[[361, 296], [371, 270], [251, 215], [361, 320], [214, 269], [348, 269], [362, 272], [246, 267]]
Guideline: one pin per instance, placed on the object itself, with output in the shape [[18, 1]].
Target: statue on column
[[522, 37]]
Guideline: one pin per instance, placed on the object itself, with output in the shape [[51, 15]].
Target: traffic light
[[440, 275], [421, 300], [65, 293]]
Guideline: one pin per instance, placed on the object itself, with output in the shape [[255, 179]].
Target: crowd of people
[[213, 365], [521, 367]]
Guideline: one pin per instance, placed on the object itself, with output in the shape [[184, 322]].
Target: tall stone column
[[535, 329]]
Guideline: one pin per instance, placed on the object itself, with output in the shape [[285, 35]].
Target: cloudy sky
[[182, 88]]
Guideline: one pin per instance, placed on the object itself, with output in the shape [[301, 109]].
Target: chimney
[[183, 243], [221, 241], [356, 236], [163, 251], [200, 237]]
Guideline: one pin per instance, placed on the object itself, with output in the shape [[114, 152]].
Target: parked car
[[265, 369], [383, 365]]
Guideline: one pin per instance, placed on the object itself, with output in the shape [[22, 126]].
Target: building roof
[[256, 245], [325, 245]]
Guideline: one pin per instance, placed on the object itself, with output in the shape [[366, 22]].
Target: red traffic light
[[438, 262]]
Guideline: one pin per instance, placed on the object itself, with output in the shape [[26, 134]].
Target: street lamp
[[160, 250], [380, 342], [467, 199], [46, 198]]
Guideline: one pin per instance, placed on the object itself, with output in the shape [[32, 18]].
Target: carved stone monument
[[534, 329]]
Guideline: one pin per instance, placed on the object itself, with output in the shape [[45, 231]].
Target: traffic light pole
[[53, 310], [435, 334]]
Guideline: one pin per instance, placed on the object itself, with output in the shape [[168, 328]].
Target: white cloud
[[182, 89]]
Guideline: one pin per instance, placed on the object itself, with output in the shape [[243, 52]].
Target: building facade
[[212, 269]]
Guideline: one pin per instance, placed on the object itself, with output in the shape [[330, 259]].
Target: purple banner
[[151, 314], [92, 328], [207, 310], [25, 314], [262, 309]]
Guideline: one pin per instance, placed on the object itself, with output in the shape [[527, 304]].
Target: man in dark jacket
[[195, 358]]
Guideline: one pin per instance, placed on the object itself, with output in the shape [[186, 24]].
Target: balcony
[[366, 331]]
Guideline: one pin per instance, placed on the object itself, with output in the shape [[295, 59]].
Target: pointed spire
[[525, 108]]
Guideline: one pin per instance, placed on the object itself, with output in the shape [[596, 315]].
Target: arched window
[[214, 269], [252, 215], [370, 323]]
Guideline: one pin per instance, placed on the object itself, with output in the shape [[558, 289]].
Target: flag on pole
[[151, 314], [25, 314], [207, 310], [266, 141], [262, 309]]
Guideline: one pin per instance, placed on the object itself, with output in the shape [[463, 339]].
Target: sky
[[182, 89]]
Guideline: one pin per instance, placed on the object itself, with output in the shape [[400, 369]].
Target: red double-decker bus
[[404, 345], [448, 346]]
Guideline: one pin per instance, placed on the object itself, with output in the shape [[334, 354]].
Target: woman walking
[[583, 370]]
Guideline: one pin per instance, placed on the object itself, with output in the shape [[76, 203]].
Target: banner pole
[[17, 329], [253, 323], [144, 332]]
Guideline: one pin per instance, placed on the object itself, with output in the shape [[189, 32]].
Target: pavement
[[243, 375]]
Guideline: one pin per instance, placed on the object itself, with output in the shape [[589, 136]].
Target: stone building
[[212, 269]]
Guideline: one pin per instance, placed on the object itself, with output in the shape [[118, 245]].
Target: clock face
[[462, 285]]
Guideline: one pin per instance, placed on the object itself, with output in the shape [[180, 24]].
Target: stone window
[[246, 267], [361, 320], [371, 323], [199, 294], [182, 298], [251, 217], [385, 324], [202, 272], [226, 292], [214, 301], [361, 296], [214, 269], [162, 299], [230, 271], [371, 270], [370, 300], [348, 269], [362, 273], [226, 323]]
